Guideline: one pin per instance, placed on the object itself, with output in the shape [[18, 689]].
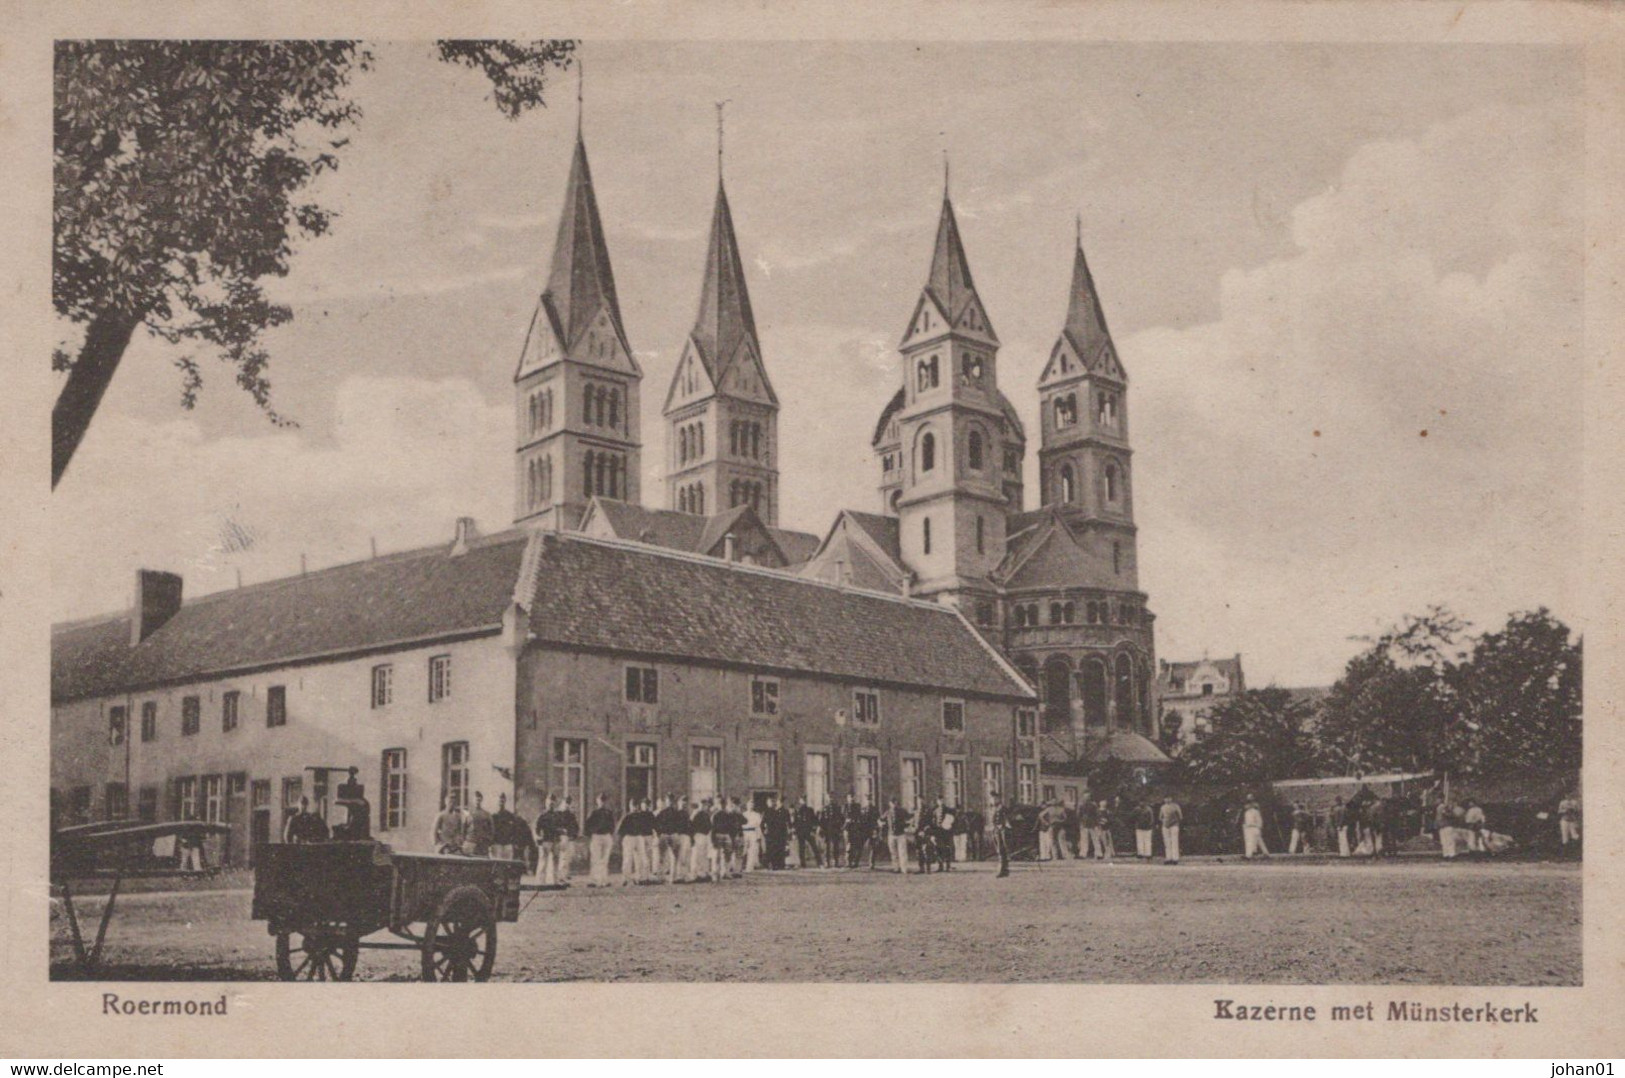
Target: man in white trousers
[[1252, 832], [1171, 817]]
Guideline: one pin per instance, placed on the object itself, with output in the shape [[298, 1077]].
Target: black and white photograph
[[781, 510]]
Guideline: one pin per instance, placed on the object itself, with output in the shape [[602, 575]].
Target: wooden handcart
[[322, 900]]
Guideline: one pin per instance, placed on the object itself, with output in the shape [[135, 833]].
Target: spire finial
[[945, 172], [581, 94], [1080, 231], [720, 105]]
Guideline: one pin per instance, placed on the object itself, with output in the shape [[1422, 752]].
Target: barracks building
[[950, 643]]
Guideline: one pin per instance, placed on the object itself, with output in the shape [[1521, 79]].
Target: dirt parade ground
[[1413, 921]]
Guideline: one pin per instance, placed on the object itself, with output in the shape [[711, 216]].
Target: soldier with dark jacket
[[1001, 835], [600, 830], [806, 828], [832, 825], [671, 826], [569, 831], [547, 838], [776, 833], [975, 828]]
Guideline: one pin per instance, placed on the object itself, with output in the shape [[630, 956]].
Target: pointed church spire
[[950, 283], [580, 284], [1085, 321], [725, 319]]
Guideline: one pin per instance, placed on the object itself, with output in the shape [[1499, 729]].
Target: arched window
[[600, 473], [756, 441], [1055, 613], [700, 434], [981, 542], [896, 496], [1069, 612], [925, 533], [1057, 692], [1069, 485], [928, 452], [615, 408], [547, 410], [586, 474], [615, 477], [1123, 691], [699, 498], [733, 438], [547, 480], [973, 450], [1092, 679], [1113, 485], [1066, 410], [1091, 611], [1117, 557]]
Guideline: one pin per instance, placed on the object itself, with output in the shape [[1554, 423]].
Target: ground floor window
[[186, 798], [214, 803], [641, 760], [992, 782], [866, 778], [764, 769], [118, 801], [454, 774], [704, 772], [1026, 783], [818, 784], [146, 805], [292, 790], [570, 768], [953, 783], [392, 789], [911, 792]]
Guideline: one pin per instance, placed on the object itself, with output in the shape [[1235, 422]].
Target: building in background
[[1189, 691]]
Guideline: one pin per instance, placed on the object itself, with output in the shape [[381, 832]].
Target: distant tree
[[1520, 696], [180, 168], [1394, 708], [1170, 738], [1258, 736]]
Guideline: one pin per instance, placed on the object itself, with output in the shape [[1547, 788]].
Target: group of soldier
[[1092, 822]]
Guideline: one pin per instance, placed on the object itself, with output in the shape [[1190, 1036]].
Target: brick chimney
[[157, 599], [730, 547], [467, 532]]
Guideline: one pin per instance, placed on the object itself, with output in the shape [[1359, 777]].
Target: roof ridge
[[742, 567], [476, 543]]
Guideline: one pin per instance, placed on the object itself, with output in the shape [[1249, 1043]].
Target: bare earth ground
[[1409, 922]]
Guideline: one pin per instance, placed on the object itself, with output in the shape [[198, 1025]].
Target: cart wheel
[[460, 943], [322, 953]]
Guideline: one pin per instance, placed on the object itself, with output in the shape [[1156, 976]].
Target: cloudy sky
[[1345, 282]]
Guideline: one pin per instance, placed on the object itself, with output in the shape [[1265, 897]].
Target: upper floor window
[[764, 696], [925, 534], [1207, 688], [953, 716], [117, 720], [973, 450], [971, 368], [981, 536], [1117, 557], [276, 705], [1113, 483], [1108, 409], [642, 685], [439, 678], [1026, 722], [191, 715], [230, 705], [383, 685], [866, 707], [1066, 410], [149, 721], [1012, 459], [927, 374], [1069, 485], [928, 452]]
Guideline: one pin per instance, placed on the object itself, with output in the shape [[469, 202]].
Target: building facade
[[1189, 691]]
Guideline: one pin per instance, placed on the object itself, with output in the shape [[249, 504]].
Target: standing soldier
[[897, 835], [1086, 830], [1477, 831], [481, 830], [1171, 817], [725, 824], [1145, 824], [1301, 823], [701, 824], [806, 826], [1568, 821], [1046, 832], [1001, 835], [751, 838], [502, 834], [1339, 821], [569, 831], [976, 828], [1252, 831], [633, 869], [1103, 831], [854, 832], [450, 829], [600, 841], [547, 837], [669, 821], [832, 823]]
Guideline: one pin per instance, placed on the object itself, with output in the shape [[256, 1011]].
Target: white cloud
[[408, 457], [1285, 480]]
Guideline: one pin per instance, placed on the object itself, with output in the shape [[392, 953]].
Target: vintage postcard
[[909, 525]]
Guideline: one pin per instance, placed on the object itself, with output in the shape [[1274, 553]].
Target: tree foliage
[[1258, 736], [1521, 697], [181, 176]]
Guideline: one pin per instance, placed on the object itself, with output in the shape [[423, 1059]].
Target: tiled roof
[[895, 405], [614, 596], [421, 594], [797, 546], [883, 530], [1230, 668], [725, 321], [661, 527]]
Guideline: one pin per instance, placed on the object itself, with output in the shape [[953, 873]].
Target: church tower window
[[1117, 557], [973, 450], [1112, 484], [925, 534], [928, 452], [1066, 410], [1068, 491]]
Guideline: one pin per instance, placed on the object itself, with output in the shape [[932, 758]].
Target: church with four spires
[[1054, 587]]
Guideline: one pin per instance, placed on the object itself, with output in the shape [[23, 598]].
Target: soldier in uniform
[[600, 830], [1046, 832], [897, 835], [832, 825], [547, 838], [569, 831], [504, 839], [806, 827], [634, 866], [702, 824], [776, 833], [480, 830], [1170, 816], [450, 829], [1145, 824], [1001, 835], [1339, 822], [669, 821]]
